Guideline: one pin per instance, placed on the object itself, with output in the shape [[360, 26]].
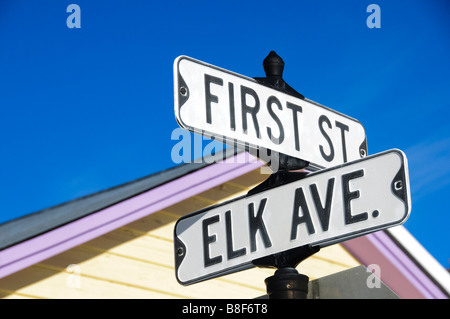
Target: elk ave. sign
[[323, 208]]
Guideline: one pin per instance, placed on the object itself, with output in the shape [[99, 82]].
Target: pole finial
[[273, 65]]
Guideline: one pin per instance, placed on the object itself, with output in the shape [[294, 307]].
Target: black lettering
[[329, 157], [349, 196], [300, 202], [295, 108], [343, 128], [247, 109], [207, 239], [273, 100], [230, 252], [231, 98], [323, 211], [256, 223], [209, 98]]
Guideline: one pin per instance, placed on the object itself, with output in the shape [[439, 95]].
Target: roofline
[[34, 224], [421, 257], [95, 224], [404, 275]]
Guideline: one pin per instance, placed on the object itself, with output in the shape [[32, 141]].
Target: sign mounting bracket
[[273, 66]]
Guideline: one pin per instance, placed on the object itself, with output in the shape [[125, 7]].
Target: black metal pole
[[273, 67], [286, 283]]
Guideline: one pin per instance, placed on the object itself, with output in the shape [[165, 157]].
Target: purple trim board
[[398, 271], [58, 240]]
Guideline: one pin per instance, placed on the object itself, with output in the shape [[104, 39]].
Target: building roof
[[407, 268], [29, 226]]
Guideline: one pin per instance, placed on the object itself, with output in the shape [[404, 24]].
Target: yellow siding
[[136, 261]]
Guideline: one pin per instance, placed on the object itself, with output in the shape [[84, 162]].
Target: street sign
[[323, 208], [237, 109]]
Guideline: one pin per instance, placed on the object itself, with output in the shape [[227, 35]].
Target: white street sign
[[324, 208], [235, 108]]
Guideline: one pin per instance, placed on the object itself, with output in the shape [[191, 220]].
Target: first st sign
[[222, 104]]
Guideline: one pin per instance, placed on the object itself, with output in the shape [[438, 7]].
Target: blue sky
[[88, 108]]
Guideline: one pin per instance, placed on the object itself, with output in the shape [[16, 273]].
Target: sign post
[[291, 215]]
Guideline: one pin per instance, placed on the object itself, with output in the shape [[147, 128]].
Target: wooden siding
[[136, 261]]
